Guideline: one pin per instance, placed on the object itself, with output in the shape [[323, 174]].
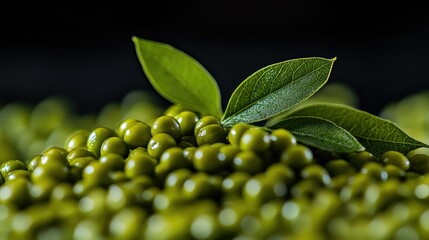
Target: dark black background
[[85, 52]]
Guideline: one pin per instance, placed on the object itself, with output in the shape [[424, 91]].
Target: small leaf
[[320, 133], [276, 88], [178, 77], [376, 134]]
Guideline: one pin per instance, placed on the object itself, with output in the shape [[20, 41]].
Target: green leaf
[[376, 134], [178, 77], [276, 88], [320, 133]]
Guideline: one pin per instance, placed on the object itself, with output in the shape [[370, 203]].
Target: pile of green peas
[[184, 176]]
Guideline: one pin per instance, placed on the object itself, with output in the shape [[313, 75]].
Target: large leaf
[[178, 77], [376, 134], [276, 88], [320, 133]]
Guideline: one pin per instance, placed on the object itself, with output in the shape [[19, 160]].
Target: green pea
[[169, 199], [393, 171], [338, 182], [77, 153], [20, 173], [234, 183], [159, 143], [317, 173], [10, 166], [247, 161], [81, 188], [208, 159], [137, 135], [56, 153], [77, 139], [55, 171], [33, 163], [356, 186], [373, 169], [125, 223], [15, 192], [118, 197], [395, 158], [149, 195], [281, 139], [41, 190], [419, 163], [378, 196], [177, 178], [230, 151], [339, 167], [205, 226], [113, 161], [174, 109], [361, 158], [211, 134], [281, 173], [255, 139], [173, 158], [260, 189], [54, 157], [235, 133], [96, 174], [167, 125], [198, 186], [137, 152], [94, 203], [139, 165], [305, 188], [187, 121], [117, 177], [205, 121], [189, 153], [96, 139], [81, 162], [297, 156], [124, 125], [114, 145], [62, 192]]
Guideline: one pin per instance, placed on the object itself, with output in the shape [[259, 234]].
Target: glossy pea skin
[[395, 158], [316, 173], [419, 163], [124, 224], [159, 143], [124, 125], [54, 170], [233, 184], [297, 156], [139, 165], [260, 189], [187, 121], [96, 174], [205, 121], [210, 134], [119, 197], [41, 190], [114, 145], [393, 171], [10, 166], [15, 192], [137, 135], [81, 162], [373, 169], [112, 161], [255, 139], [208, 159], [339, 167], [33, 163], [167, 125], [247, 161], [177, 178], [20, 173], [173, 158], [189, 153], [236, 131], [96, 139], [358, 160], [77, 153], [54, 155], [174, 110], [198, 186], [281, 173], [281, 139], [62, 192], [77, 139], [230, 151]]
